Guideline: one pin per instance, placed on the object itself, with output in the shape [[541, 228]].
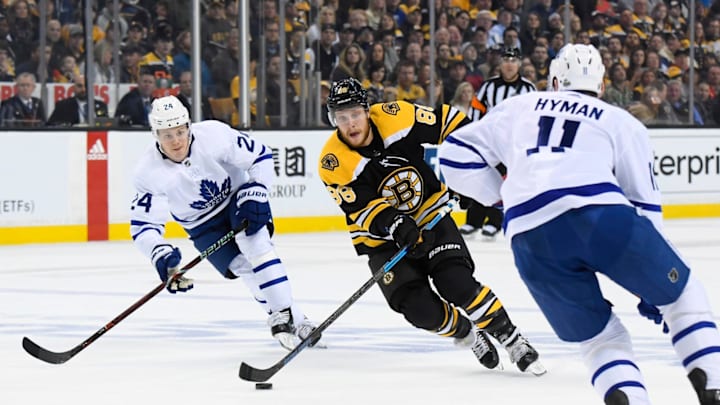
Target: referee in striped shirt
[[493, 91]]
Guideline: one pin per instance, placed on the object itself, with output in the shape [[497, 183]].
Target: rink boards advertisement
[[73, 186]]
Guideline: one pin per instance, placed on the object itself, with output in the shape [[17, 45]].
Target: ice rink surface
[[186, 349]]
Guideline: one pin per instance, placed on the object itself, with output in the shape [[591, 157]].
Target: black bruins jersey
[[374, 183]]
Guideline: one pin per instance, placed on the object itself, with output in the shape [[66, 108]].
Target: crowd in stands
[[645, 46]]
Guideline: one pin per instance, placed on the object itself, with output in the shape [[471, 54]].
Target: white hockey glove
[[166, 260]]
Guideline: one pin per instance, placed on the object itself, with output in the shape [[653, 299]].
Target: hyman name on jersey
[[569, 107]]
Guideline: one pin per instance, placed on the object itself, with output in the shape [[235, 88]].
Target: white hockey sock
[[241, 268], [270, 276], [695, 336], [610, 361]]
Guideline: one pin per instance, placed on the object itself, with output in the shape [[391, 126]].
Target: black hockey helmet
[[346, 93]]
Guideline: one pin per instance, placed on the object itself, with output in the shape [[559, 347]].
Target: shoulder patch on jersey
[[329, 162], [391, 108]]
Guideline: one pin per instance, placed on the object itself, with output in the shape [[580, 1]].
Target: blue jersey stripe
[[451, 139], [543, 199], [263, 157], [646, 206], [462, 165]]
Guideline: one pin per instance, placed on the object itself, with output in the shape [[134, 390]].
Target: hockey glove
[[253, 206], [405, 232], [652, 313], [166, 260]]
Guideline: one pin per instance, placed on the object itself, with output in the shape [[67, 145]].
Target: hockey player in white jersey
[[211, 179], [581, 198]]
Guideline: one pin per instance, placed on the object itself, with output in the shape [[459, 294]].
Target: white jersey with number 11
[[563, 150]]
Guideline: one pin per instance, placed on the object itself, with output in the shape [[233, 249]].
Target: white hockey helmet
[[578, 67], [167, 112]]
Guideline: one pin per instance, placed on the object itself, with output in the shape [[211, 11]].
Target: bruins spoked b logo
[[404, 189], [388, 277]]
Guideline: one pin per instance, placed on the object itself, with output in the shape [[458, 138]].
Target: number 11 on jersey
[[546, 123]]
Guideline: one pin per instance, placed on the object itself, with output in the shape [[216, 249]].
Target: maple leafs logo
[[212, 194]]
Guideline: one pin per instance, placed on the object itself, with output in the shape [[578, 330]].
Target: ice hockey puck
[[263, 386]]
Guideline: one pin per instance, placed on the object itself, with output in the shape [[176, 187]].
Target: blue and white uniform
[[199, 193], [580, 198]]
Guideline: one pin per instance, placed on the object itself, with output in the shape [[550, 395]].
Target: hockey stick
[[61, 357], [250, 373]]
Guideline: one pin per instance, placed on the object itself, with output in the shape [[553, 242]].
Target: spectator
[[272, 38], [391, 36], [23, 30], [495, 34], [33, 64], [326, 19], [598, 30], [407, 89], [618, 92], [104, 71], [134, 107], [511, 38], [182, 63], [541, 60], [129, 69], [106, 17], [67, 71], [73, 45], [215, 31], [226, 64], [530, 32], [185, 96], [680, 105], [375, 83], [637, 61], [374, 13], [7, 64], [704, 104], [74, 110], [350, 64], [136, 38], [713, 80], [463, 96], [457, 74], [647, 77], [23, 110], [379, 56], [274, 88], [131, 11], [159, 62], [472, 65], [321, 53]]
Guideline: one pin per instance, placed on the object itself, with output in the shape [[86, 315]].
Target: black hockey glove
[[405, 232]]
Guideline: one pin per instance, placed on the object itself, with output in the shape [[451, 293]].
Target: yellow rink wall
[[78, 186]]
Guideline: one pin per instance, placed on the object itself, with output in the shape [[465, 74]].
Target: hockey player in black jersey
[[373, 167]]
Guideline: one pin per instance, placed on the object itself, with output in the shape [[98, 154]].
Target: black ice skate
[[482, 347], [698, 378], [523, 354], [282, 328]]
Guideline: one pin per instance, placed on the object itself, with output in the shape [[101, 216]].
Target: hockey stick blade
[[51, 357], [46, 355], [250, 373]]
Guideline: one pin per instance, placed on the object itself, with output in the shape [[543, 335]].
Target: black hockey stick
[[61, 357], [250, 373]]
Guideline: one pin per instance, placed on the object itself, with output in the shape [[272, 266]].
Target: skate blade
[[286, 340], [536, 368]]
